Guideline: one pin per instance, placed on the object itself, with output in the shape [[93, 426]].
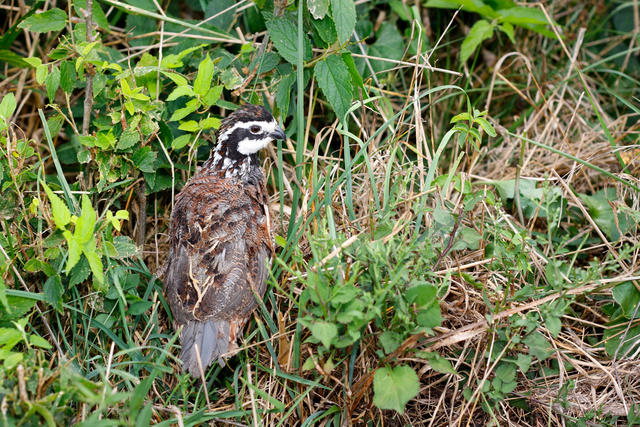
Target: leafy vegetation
[[458, 240]]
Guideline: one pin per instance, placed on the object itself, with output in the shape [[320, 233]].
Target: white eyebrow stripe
[[269, 126]]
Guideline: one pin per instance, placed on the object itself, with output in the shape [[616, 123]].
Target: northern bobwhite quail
[[221, 242]]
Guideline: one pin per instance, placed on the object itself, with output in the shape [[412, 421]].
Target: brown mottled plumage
[[221, 242]]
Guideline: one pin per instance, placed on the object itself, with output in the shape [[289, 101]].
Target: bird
[[221, 243]]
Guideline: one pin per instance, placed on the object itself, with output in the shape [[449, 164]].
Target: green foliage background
[[456, 209]]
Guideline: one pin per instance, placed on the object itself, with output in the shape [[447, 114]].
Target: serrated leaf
[[41, 74], [86, 222], [344, 17], [51, 20], [212, 96], [202, 82], [394, 387], [59, 210], [126, 89], [52, 82], [180, 91], [333, 78], [80, 272], [75, 250], [325, 332], [318, 8], [125, 247], [283, 93], [96, 266], [128, 139], [144, 159], [68, 76], [284, 35], [53, 291], [181, 113], [176, 78], [480, 31]]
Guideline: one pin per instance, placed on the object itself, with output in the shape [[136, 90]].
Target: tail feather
[[212, 340]]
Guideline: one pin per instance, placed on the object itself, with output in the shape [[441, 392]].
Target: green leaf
[[4, 302], [51, 20], [125, 247], [344, 16], [524, 362], [53, 292], [86, 222], [212, 96], [75, 250], [38, 341], [144, 159], [389, 341], [394, 387], [211, 122], [508, 30], [422, 295], [628, 296], [203, 80], [523, 15], [480, 31], [538, 346], [41, 74], [180, 141], [80, 272], [318, 8], [12, 58], [180, 91], [8, 105], [97, 13], [486, 126], [437, 362], [283, 93], [60, 211], [128, 139], [333, 78], [181, 113], [68, 76], [96, 266], [476, 6], [325, 332], [52, 82], [139, 307], [356, 78], [179, 80], [284, 35], [189, 126]]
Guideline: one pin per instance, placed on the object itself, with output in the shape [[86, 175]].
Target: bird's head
[[248, 130]]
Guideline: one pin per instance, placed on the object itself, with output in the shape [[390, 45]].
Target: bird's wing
[[220, 245]]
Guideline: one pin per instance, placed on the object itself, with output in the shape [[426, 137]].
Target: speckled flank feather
[[221, 244]]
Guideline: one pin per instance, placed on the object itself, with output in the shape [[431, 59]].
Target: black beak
[[278, 134]]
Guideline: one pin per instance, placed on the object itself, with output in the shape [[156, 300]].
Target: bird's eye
[[255, 129]]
